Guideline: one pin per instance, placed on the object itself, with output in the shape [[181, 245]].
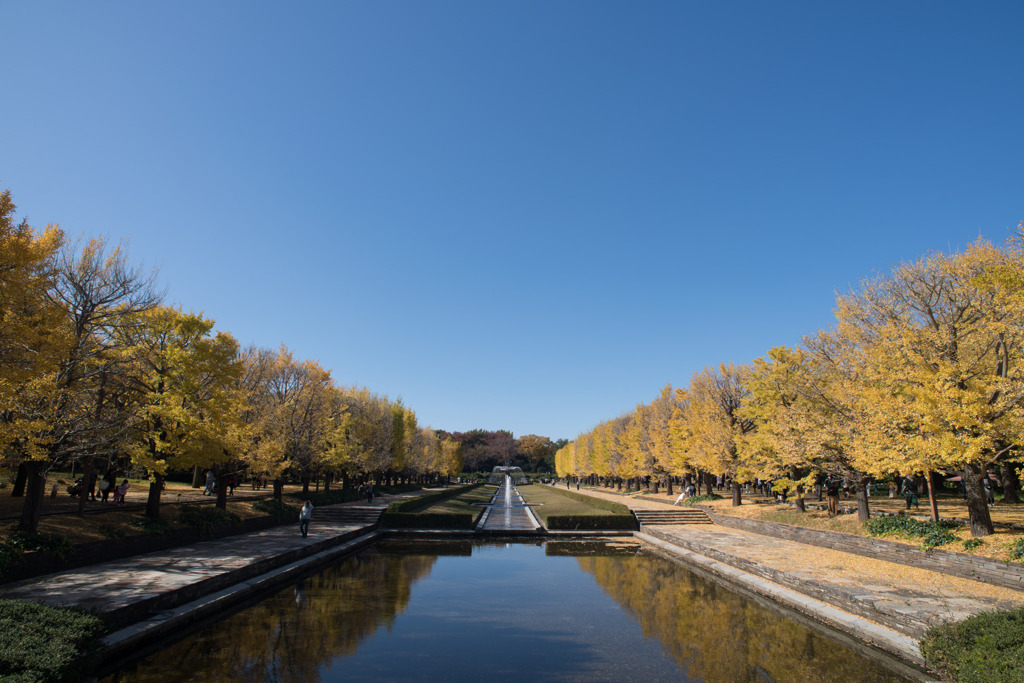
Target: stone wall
[[901, 621], [1006, 574]]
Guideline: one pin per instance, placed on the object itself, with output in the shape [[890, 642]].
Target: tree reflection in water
[[290, 635], [661, 623], [719, 636]]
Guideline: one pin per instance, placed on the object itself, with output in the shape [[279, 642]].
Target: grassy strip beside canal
[[455, 509], [567, 510]]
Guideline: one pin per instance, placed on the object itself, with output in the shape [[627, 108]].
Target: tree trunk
[[197, 477], [20, 481], [305, 486], [977, 503], [932, 500], [1009, 482], [278, 488], [222, 490], [35, 489], [799, 500], [668, 485], [863, 509], [85, 486], [156, 487], [737, 493], [657, 485]]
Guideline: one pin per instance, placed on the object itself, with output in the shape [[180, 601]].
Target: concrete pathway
[[128, 589], [906, 599]]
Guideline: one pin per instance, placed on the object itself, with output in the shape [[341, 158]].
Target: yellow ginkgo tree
[[184, 377]]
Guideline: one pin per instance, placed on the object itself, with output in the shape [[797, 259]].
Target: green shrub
[[54, 544], [151, 526], [1017, 549], [206, 518], [110, 531], [986, 647], [931, 533], [704, 498], [276, 508], [972, 543], [44, 643]]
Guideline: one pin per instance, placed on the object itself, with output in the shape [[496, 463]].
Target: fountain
[[508, 511]]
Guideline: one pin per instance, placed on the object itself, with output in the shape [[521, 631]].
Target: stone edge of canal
[[893, 650]]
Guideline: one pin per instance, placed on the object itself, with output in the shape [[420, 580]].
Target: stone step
[[681, 516], [349, 515]]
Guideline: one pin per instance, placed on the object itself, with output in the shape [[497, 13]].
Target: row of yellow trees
[[93, 367], [922, 373]]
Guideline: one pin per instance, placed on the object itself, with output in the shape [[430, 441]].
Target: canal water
[[474, 611]]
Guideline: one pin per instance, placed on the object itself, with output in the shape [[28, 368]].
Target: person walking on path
[[369, 491], [211, 483], [832, 493], [304, 516], [910, 492]]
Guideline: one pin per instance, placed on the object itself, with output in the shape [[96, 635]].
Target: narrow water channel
[[471, 611]]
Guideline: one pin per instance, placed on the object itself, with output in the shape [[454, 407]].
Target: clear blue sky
[[520, 215]]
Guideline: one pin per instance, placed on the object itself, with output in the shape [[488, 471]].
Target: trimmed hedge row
[[401, 513], [599, 503], [428, 520], [592, 522], [413, 504], [349, 494], [618, 519]]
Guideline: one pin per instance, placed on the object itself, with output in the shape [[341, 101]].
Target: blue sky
[[518, 215]]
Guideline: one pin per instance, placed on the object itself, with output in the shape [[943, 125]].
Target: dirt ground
[[756, 506], [107, 520]]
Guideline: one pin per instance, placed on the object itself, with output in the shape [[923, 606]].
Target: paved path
[[906, 599], [131, 587]]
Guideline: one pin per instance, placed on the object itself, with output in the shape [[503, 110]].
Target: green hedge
[[592, 522], [413, 504], [986, 647], [401, 513], [347, 495], [44, 643], [599, 503], [276, 508], [206, 518], [427, 520]]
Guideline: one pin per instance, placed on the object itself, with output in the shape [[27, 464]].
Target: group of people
[[97, 489], [211, 484]]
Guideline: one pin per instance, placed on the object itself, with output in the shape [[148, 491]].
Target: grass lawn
[[463, 503], [548, 501]]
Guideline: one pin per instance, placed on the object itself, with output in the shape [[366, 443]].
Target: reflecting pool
[[470, 611]]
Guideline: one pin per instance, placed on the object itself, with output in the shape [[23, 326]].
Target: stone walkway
[[128, 589], [906, 599]]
